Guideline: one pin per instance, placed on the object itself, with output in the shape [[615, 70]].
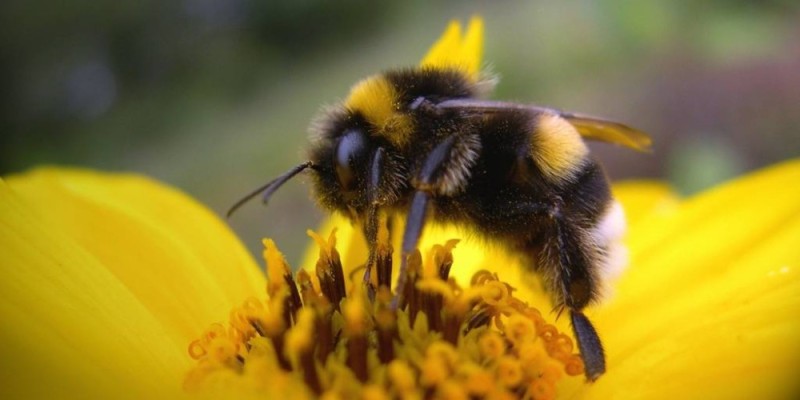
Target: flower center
[[312, 337]]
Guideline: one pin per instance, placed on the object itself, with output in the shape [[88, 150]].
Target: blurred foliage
[[214, 96]]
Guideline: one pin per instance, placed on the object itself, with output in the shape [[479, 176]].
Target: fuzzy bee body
[[521, 177], [421, 143]]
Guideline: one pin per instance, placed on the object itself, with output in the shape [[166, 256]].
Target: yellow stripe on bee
[[378, 101], [557, 147]]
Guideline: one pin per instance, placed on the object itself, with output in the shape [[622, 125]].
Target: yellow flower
[[112, 286], [107, 279]]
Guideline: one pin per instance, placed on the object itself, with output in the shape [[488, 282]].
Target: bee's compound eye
[[351, 149]]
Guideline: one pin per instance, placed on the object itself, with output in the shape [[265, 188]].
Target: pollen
[[321, 333], [492, 345]]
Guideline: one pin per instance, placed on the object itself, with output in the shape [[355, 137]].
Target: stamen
[[355, 329], [329, 268], [437, 270], [277, 268], [434, 371], [386, 323], [325, 338], [374, 392], [308, 293], [519, 329], [402, 377], [411, 298], [443, 258], [480, 317], [328, 341], [300, 348], [491, 345], [274, 324], [509, 371], [451, 390], [383, 257], [478, 381]]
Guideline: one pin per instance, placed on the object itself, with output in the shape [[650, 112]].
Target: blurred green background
[[214, 96]]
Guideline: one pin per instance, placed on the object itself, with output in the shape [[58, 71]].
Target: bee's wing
[[590, 127], [609, 131]]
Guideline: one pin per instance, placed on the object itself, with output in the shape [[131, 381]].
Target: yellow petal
[[710, 306], [454, 51], [449, 43], [642, 199], [705, 235], [106, 279]]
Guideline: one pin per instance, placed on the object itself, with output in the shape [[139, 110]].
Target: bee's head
[[341, 149], [355, 166], [378, 112]]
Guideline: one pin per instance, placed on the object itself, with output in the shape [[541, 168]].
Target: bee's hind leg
[[568, 253], [594, 360]]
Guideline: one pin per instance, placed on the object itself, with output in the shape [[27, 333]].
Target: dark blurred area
[[214, 96]]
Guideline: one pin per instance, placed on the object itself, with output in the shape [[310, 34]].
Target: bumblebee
[[421, 142]]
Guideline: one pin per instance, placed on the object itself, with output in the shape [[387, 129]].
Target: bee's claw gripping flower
[[448, 340]]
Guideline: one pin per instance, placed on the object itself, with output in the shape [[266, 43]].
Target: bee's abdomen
[[588, 195]]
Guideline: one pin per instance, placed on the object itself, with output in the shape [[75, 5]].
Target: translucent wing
[[590, 127]]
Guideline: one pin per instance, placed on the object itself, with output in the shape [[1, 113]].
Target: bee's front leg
[[371, 219]]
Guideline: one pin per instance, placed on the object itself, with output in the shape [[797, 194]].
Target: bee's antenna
[[271, 187]]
